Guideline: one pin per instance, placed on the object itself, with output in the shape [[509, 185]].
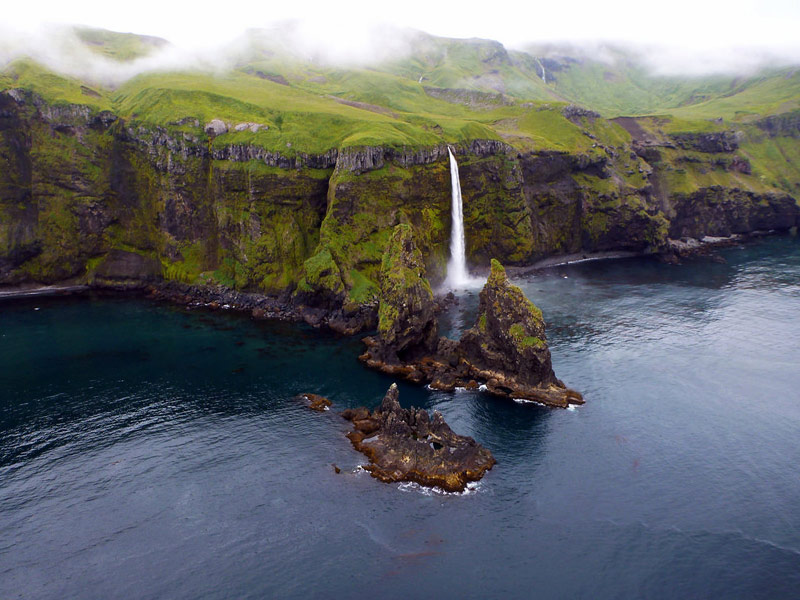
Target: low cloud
[[360, 44]]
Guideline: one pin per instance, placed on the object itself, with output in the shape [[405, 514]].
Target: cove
[[150, 451]]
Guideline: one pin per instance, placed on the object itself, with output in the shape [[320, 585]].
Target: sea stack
[[507, 346], [505, 351]]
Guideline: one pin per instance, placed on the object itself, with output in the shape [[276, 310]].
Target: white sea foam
[[526, 401], [473, 487]]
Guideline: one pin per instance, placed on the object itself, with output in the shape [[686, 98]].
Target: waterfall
[[457, 274], [541, 66]]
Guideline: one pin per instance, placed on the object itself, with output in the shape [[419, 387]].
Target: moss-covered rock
[[407, 325], [322, 280], [76, 182], [506, 350], [509, 335], [363, 208]]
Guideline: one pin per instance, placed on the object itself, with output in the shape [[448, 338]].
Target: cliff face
[[76, 184]]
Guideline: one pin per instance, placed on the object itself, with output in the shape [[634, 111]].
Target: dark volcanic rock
[[409, 445], [507, 347], [122, 265], [577, 113], [785, 124], [724, 141], [315, 402], [719, 211], [407, 325], [506, 350]]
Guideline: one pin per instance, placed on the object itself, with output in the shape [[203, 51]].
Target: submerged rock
[[409, 445], [315, 402]]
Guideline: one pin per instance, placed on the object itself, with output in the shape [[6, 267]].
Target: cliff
[[80, 184]]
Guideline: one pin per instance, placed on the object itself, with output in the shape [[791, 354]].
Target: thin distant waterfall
[[541, 66], [457, 274]]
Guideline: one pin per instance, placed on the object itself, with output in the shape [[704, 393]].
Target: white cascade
[[457, 274], [541, 66]]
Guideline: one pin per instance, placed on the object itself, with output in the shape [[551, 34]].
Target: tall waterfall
[[457, 274]]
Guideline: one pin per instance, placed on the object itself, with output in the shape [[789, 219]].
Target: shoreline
[[573, 259], [262, 306]]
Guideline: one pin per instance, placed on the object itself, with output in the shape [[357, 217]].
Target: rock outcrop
[[119, 265], [409, 445], [407, 324], [315, 402], [507, 347], [216, 127], [723, 141], [309, 230], [505, 351]]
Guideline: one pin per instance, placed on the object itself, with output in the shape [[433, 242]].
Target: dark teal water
[[149, 452]]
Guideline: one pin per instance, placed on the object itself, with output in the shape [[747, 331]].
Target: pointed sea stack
[[409, 445], [407, 325], [507, 347]]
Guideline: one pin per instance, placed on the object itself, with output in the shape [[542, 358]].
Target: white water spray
[[457, 274]]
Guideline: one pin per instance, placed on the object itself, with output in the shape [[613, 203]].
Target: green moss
[[364, 290], [387, 316], [402, 279], [517, 333], [321, 273]]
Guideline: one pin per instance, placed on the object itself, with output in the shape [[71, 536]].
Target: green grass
[[118, 46], [311, 108], [775, 161], [769, 93], [58, 89], [298, 120]]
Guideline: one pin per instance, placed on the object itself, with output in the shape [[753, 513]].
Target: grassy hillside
[[442, 91], [118, 46], [579, 181], [29, 75]]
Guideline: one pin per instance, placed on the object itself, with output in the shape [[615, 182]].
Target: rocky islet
[[407, 444]]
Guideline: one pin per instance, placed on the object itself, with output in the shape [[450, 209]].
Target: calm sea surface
[[151, 452]]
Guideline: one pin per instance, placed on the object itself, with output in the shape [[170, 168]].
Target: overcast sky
[[701, 23], [688, 26]]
